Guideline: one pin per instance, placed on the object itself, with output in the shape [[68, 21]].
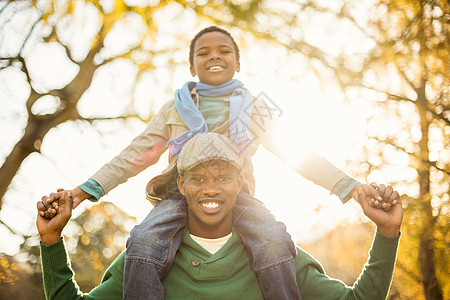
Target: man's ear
[[192, 71], [238, 66], [180, 182]]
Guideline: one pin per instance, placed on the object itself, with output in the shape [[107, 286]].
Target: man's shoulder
[[304, 260], [116, 268]]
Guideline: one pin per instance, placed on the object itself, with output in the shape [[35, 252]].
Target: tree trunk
[[38, 126], [426, 256], [12, 164], [30, 142], [427, 262]]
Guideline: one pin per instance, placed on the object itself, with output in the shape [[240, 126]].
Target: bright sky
[[314, 115]]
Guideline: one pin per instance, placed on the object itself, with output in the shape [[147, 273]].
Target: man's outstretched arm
[[375, 279], [57, 274]]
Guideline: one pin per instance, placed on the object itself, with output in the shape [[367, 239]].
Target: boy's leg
[[151, 250], [271, 246]]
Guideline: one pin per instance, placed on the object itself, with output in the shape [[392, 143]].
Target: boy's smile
[[215, 60]]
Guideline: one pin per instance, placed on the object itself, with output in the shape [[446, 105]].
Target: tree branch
[[130, 116], [52, 35], [439, 116], [395, 97], [408, 272], [28, 36], [9, 228], [5, 6], [123, 55], [393, 144], [68, 53], [390, 95], [405, 77], [433, 164], [9, 62], [24, 68], [344, 14]]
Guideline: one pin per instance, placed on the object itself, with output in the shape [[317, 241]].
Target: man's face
[[215, 60], [211, 189]]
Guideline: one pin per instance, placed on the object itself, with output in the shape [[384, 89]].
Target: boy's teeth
[[215, 68], [210, 205]]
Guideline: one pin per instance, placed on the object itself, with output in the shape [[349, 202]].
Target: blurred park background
[[363, 82]]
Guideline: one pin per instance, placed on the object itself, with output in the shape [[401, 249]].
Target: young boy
[[221, 104]]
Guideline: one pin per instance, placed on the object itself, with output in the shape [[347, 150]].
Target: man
[[212, 261]]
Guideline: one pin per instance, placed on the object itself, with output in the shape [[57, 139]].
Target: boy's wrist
[[80, 194]]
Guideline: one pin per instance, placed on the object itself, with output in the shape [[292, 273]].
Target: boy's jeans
[[152, 246]]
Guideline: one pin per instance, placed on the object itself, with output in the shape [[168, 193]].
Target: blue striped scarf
[[241, 102]]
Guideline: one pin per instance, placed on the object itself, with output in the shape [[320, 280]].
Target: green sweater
[[227, 274]]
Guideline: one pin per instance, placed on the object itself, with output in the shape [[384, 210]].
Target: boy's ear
[[192, 71], [180, 182], [238, 66]]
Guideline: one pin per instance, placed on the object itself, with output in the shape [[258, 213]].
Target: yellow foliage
[[85, 239], [7, 274]]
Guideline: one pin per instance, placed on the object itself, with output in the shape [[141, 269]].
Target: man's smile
[[211, 205]]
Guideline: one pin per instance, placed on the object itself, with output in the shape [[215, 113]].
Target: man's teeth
[[215, 68], [210, 205]]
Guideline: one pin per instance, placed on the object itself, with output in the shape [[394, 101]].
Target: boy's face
[[211, 190], [215, 60]]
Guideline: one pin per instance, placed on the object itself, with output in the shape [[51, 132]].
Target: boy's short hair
[[206, 30], [207, 147]]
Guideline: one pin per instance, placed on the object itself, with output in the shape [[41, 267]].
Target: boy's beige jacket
[[146, 149]]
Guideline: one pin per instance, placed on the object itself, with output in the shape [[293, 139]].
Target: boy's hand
[[50, 230], [365, 191], [48, 208]]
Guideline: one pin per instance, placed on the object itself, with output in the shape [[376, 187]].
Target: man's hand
[[49, 208], [388, 222], [50, 230], [381, 196], [388, 195]]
